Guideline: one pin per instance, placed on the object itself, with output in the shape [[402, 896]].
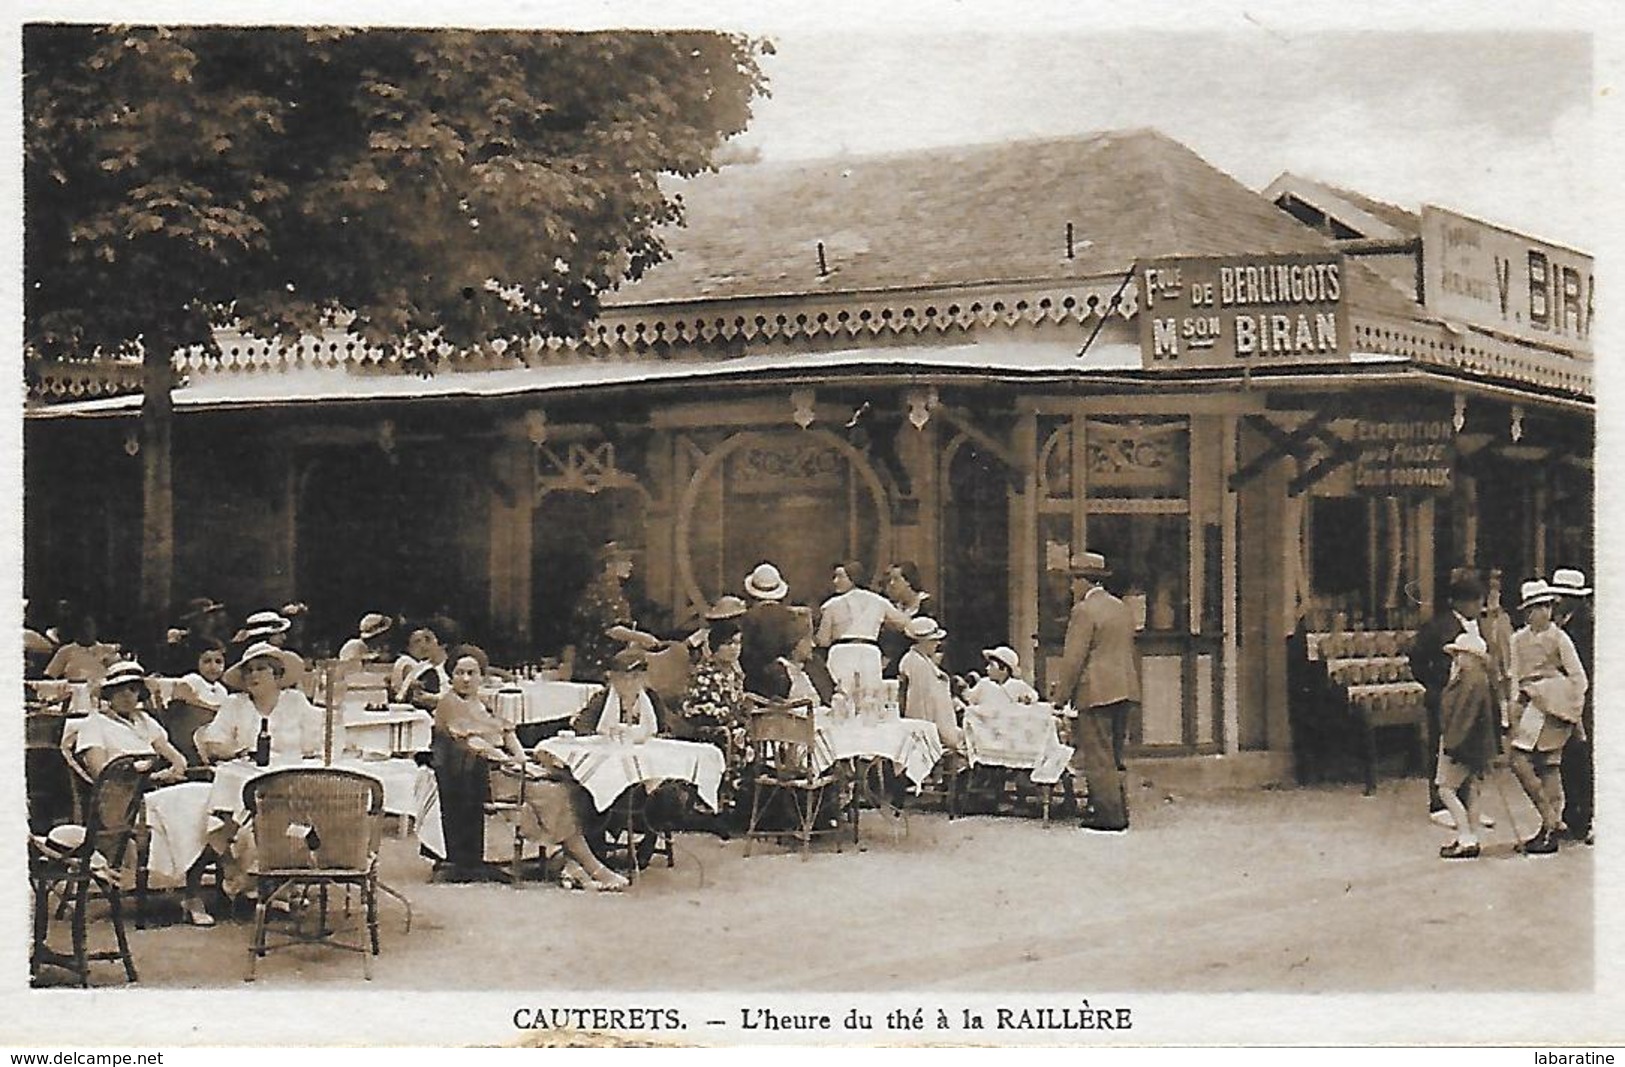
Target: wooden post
[[328, 699]]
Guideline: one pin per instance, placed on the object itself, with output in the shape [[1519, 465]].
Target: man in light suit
[[1098, 675]]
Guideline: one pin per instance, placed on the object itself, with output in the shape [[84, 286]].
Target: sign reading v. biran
[[1243, 310]]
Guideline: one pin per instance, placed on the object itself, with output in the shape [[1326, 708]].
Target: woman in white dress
[[122, 728]]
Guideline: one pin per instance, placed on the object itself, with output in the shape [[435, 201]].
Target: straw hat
[[1566, 581], [1468, 642], [766, 583], [1535, 592], [726, 607], [924, 628], [293, 668], [1003, 654], [260, 625], [373, 624], [627, 661], [198, 607], [124, 672], [1090, 565]]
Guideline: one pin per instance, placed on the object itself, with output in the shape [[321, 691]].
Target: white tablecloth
[[607, 768], [1022, 736], [400, 729], [912, 745], [52, 690], [408, 790], [536, 700]]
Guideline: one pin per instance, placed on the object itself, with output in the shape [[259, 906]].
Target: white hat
[[1535, 592], [766, 583], [373, 624], [293, 668], [1003, 654], [924, 628], [1467, 641], [124, 672], [260, 625], [1090, 565], [1566, 581]]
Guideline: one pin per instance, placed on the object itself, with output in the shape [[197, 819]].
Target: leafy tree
[[411, 186]]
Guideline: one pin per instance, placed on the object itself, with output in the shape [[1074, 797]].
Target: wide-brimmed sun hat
[[373, 624], [124, 672], [260, 625], [1089, 565], [1566, 581], [293, 668], [1535, 592], [766, 583], [924, 628], [198, 607], [726, 607], [1003, 654]]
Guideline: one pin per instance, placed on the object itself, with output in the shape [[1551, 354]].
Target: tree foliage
[[466, 186]]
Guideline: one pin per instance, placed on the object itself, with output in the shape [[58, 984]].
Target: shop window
[[1148, 556], [1339, 549]]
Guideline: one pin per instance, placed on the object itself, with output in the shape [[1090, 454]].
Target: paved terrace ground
[[1299, 890]]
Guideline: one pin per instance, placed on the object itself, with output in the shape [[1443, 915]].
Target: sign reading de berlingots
[[1244, 310]]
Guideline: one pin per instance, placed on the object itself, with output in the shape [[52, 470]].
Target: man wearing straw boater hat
[[1574, 616], [1551, 686], [1098, 677]]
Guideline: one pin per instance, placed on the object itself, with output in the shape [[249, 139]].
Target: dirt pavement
[[1282, 891]]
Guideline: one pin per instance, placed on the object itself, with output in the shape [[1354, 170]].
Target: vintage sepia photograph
[[1017, 523]]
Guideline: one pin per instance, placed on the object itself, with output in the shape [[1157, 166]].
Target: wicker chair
[[84, 786], [315, 827], [83, 861], [782, 740]]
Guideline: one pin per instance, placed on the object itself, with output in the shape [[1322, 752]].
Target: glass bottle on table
[[262, 744]]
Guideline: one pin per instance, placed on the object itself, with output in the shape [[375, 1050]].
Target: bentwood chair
[[81, 862], [315, 827], [782, 740]]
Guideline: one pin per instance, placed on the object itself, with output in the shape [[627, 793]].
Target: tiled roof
[[961, 215]]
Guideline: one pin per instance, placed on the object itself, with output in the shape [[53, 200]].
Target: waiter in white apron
[[849, 627]]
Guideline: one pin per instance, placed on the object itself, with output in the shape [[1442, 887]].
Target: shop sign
[[786, 465], [1504, 282], [1404, 457], [1242, 311]]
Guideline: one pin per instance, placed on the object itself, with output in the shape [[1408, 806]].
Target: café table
[[913, 746], [394, 730], [537, 700], [609, 769], [1020, 737]]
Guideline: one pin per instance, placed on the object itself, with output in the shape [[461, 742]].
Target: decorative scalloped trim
[[624, 334]]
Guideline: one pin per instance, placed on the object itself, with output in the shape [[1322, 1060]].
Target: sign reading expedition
[[1236, 311]]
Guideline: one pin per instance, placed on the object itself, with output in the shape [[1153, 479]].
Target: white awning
[[1004, 360]]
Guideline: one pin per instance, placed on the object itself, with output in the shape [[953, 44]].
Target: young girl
[[1549, 687], [1469, 717], [202, 687], [1001, 683]]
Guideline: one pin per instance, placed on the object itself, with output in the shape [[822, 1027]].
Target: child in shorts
[[1469, 721], [1549, 693]]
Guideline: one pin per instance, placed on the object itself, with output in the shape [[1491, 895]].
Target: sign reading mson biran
[[1504, 282], [1242, 311]]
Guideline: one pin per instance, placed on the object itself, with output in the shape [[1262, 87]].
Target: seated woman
[[924, 690], [122, 728], [714, 709], [1001, 684], [485, 758], [270, 700], [627, 709], [82, 658]]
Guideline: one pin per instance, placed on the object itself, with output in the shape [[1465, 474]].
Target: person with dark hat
[[1573, 614], [1430, 663], [602, 621], [200, 623], [1098, 677]]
